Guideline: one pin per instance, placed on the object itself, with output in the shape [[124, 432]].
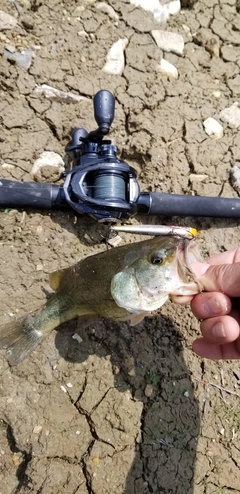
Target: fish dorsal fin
[[55, 279]]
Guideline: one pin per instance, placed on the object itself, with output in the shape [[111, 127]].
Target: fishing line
[[108, 186]]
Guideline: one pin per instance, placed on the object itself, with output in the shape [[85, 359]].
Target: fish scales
[[124, 283]]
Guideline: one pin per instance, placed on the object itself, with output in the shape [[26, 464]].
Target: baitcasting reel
[[100, 184], [105, 187]]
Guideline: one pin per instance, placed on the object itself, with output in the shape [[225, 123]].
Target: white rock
[[22, 58], [168, 41], [39, 267], [7, 21], [168, 69], [53, 93], [37, 429], [80, 8], [78, 11], [47, 159], [114, 241], [194, 177], [77, 337], [235, 178], [161, 9], [115, 58], [83, 34], [216, 94], [148, 391], [213, 128], [231, 115], [104, 7], [173, 6], [7, 166], [186, 29]]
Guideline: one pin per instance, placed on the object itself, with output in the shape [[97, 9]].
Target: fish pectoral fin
[[137, 318], [55, 279]]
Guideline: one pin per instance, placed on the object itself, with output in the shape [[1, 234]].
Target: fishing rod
[[105, 187]]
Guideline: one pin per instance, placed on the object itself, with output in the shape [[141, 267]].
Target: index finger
[[228, 257]]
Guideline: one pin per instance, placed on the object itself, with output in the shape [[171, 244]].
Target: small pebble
[[186, 29], [114, 241], [69, 385], [235, 178], [78, 11], [231, 115], [115, 61], [7, 21], [168, 69], [10, 48], [7, 166], [37, 429], [63, 389], [82, 34], [132, 372], [161, 9], [213, 47], [23, 58], [95, 460], [116, 370], [48, 165], [222, 431], [54, 93], [17, 459], [213, 128], [39, 267], [168, 41], [39, 230], [88, 238], [193, 177], [217, 94], [148, 391], [186, 393], [76, 336], [104, 7]]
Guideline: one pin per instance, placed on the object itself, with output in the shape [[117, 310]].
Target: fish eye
[[157, 258]]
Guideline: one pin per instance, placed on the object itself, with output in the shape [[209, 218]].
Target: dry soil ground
[[77, 418]]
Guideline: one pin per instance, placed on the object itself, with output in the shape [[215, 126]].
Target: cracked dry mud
[[75, 418]]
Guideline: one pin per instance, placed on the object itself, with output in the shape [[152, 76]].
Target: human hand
[[218, 306]]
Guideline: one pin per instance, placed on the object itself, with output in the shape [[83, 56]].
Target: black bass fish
[[124, 283]]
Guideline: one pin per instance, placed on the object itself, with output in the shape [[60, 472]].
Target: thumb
[[223, 278]]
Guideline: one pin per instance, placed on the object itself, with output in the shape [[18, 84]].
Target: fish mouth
[[187, 253]]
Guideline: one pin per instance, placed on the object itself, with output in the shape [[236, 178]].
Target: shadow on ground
[[148, 361]]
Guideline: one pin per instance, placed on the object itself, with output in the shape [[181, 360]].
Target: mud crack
[[26, 455]]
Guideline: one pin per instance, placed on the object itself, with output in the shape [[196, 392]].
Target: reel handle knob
[[104, 107]]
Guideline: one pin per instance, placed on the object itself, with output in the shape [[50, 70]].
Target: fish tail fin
[[20, 338]]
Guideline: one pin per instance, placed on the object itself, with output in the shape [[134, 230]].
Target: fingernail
[[213, 307], [199, 268], [218, 330]]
